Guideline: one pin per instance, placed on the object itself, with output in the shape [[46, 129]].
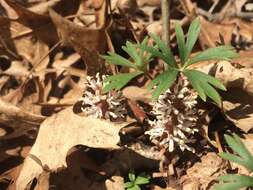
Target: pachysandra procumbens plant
[[175, 90], [241, 156]]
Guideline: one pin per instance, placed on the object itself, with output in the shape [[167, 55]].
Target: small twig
[[46, 54], [166, 22], [213, 6], [159, 174], [218, 143]]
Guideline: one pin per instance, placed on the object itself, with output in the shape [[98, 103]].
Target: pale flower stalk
[[95, 103], [176, 117]]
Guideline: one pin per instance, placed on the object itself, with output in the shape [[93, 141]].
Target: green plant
[[142, 53], [135, 182], [242, 157], [139, 60]]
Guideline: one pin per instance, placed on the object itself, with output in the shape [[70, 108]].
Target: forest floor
[[48, 51]]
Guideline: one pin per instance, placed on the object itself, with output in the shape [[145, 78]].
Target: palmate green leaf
[[166, 52], [192, 37], [116, 59], [237, 146], [216, 53], [234, 182], [210, 92], [245, 158], [135, 187], [131, 49], [131, 175], [129, 184], [205, 77], [163, 82], [231, 157], [148, 57], [116, 82], [180, 41], [153, 51], [141, 180], [201, 83]]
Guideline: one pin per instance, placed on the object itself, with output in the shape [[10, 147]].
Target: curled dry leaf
[[58, 134], [231, 76], [41, 25], [202, 174]]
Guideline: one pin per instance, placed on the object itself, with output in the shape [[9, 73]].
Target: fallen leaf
[[208, 38], [137, 94], [16, 116], [202, 174], [58, 134], [89, 43], [115, 183]]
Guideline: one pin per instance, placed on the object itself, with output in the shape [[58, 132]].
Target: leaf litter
[[46, 51]]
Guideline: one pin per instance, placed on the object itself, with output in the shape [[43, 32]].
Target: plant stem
[[165, 6]]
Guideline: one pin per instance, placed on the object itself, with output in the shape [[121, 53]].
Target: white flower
[[176, 117], [99, 105]]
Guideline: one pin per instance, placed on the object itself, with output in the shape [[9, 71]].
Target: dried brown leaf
[[58, 134], [89, 43]]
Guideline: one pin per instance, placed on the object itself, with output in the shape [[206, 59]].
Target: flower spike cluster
[[99, 105], [176, 118]]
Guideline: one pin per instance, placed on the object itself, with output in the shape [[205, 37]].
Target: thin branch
[[166, 21], [165, 6]]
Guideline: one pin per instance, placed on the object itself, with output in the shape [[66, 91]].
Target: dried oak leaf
[[41, 25], [89, 43], [58, 134], [202, 174]]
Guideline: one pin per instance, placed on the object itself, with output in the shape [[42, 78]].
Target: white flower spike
[[176, 117]]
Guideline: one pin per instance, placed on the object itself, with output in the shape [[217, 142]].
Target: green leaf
[[135, 187], [180, 41], [129, 184], [131, 49], [116, 59], [163, 82], [231, 157], [131, 175], [234, 182], [228, 186], [201, 83], [208, 78], [216, 53], [192, 37], [148, 57], [155, 53], [241, 149], [196, 85], [140, 180], [210, 92], [116, 82], [167, 54], [245, 158]]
